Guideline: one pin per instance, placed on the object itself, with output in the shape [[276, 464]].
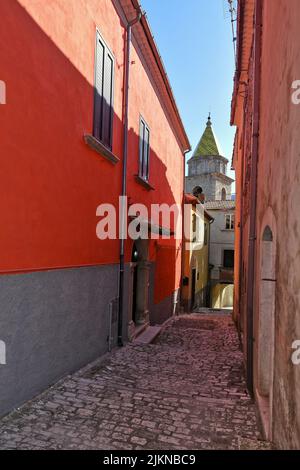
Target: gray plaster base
[[52, 323], [160, 312]]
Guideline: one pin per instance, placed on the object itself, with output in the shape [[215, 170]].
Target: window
[[103, 100], [224, 195], [229, 221], [144, 150], [228, 259]]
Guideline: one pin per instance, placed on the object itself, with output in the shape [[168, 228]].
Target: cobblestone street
[[185, 391]]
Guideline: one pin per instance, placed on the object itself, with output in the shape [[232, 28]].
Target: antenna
[[233, 16]]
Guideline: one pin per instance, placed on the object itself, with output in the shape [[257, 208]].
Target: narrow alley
[[184, 391], [150, 227]]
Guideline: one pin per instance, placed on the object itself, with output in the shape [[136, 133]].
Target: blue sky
[[195, 41]]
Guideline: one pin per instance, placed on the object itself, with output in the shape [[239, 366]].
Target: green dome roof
[[207, 144]]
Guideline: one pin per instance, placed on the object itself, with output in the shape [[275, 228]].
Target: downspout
[[124, 178], [253, 193]]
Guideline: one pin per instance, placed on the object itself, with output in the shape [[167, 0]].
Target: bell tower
[[207, 168]]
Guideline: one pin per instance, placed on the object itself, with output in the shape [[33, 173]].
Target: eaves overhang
[[208, 216], [208, 157], [245, 28], [154, 227], [145, 40]]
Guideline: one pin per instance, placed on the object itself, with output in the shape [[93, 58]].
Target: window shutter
[[141, 154], [107, 100], [146, 153], [144, 150], [98, 88], [103, 103]]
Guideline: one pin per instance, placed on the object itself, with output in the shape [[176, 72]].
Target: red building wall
[[59, 282], [51, 180]]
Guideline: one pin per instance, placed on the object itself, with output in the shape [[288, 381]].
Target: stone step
[[148, 336]]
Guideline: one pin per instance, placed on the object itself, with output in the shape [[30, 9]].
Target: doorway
[[134, 270], [139, 288]]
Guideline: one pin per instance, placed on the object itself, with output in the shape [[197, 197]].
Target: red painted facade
[[51, 181]]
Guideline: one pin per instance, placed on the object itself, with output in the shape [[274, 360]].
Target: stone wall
[[208, 164], [210, 184]]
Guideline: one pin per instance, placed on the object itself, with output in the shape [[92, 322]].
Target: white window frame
[[230, 218]]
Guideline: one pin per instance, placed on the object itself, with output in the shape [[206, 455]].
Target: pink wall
[[279, 202], [276, 316]]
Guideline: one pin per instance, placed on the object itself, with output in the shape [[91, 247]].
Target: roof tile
[[208, 144]]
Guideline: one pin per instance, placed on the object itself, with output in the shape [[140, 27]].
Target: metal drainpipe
[[253, 194], [124, 176]]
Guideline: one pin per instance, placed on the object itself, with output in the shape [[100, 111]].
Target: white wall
[[220, 240]]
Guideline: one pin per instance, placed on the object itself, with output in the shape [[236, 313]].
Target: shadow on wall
[[69, 175], [55, 320]]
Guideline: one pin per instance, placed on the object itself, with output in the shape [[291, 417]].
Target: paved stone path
[[185, 391]]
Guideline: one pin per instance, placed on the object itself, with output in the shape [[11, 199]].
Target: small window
[[267, 235], [228, 259], [224, 194], [229, 221], [103, 100], [144, 151]]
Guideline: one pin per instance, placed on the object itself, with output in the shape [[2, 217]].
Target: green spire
[[207, 144]]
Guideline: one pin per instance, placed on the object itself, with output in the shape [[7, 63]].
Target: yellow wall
[[198, 259], [222, 296], [201, 257]]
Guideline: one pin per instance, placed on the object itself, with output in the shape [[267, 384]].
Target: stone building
[[266, 162], [221, 252], [207, 168], [207, 172]]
